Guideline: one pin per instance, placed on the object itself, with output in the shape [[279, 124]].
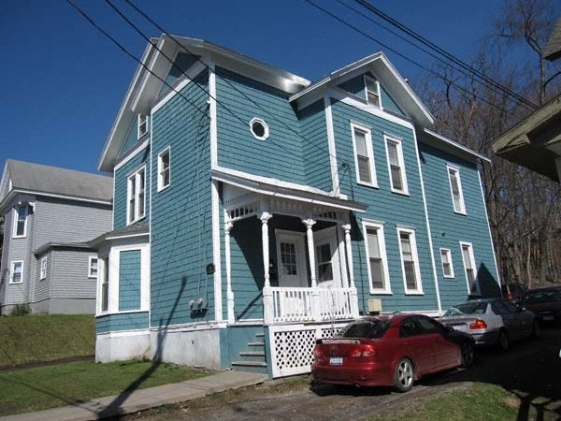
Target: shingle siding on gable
[[121, 177], [386, 207], [181, 235], [449, 228], [239, 101]]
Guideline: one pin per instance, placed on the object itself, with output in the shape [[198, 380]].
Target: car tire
[[467, 354], [503, 342], [536, 330], [404, 375]]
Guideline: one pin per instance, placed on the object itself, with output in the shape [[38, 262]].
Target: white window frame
[[142, 125], [367, 81], [16, 220], [370, 154], [265, 128], [413, 242], [90, 267], [161, 170], [13, 264], [383, 255], [448, 253], [401, 162], [43, 268], [471, 256], [103, 266], [139, 206], [454, 172]]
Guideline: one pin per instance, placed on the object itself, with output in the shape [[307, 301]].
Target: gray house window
[[16, 273], [20, 221]]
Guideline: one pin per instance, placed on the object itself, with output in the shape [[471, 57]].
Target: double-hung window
[[446, 258], [372, 88], [16, 272], [136, 196], [409, 261], [43, 268], [396, 165], [456, 190], [470, 269], [20, 221], [92, 267], [364, 155], [378, 272], [164, 170], [105, 285], [142, 125]]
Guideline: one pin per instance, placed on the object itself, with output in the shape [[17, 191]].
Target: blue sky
[[62, 81]]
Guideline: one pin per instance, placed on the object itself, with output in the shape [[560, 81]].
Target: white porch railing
[[310, 304]]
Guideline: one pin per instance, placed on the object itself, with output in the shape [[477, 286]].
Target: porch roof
[[285, 190]]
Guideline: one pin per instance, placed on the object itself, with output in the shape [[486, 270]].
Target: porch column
[[268, 301], [229, 293], [309, 223], [348, 247]]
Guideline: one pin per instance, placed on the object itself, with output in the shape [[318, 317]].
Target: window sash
[[372, 88], [136, 196], [456, 190], [16, 275], [446, 259], [43, 268], [163, 170], [93, 267], [395, 162], [105, 286], [410, 261], [142, 125], [364, 155], [20, 221], [377, 260]]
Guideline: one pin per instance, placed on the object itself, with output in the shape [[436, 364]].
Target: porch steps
[[255, 358]]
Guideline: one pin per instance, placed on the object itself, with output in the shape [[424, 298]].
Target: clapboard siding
[[70, 274], [129, 280], [181, 235], [121, 322]]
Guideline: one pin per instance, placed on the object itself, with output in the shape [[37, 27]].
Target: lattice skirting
[[292, 346]]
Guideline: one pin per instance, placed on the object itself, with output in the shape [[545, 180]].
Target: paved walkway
[[145, 398]]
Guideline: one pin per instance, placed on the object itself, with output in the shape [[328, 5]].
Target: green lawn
[[38, 338], [39, 388]]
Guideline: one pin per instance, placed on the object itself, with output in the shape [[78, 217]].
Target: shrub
[[21, 310]]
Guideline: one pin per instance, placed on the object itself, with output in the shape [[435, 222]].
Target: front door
[[291, 259]]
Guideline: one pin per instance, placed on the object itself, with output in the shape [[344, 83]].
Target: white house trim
[[132, 153], [335, 183], [216, 255], [213, 117]]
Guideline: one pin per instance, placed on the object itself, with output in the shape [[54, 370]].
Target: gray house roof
[[26, 177]]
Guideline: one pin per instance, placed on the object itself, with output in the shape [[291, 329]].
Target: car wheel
[[467, 354], [536, 329], [503, 342], [404, 375]]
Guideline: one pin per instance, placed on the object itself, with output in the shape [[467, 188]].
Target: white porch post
[[267, 291], [229, 293], [348, 247], [316, 312]]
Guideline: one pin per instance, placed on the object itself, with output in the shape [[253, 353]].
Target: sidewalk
[[145, 398]]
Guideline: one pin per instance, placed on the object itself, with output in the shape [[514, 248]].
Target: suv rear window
[[366, 329]]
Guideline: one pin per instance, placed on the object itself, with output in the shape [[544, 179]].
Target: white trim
[[469, 247], [134, 178], [415, 255], [13, 263], [379, 227], [367, 78], [122, 333], [335, 183], [262, 123], [403, 173], [216, 248], [43, 262], [16, 220], [457, 145], [142, 120], [456, 171], [370, 154], [213, 116], [190, 75], [489, 228], [448, 253], [131, 154], [359, 103], [90, 266], [159, 176]]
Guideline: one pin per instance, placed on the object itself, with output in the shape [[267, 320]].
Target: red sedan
[[391, 350]]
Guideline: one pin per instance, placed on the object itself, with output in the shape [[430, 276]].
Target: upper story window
[[16, 272], [136, 196], [409, 261], [372, 89], [446, 258], [396, 165], [259, 128], [469, 268], [456, 190], [142, 125], [164, 169], [364, 156], [92, 267], [20, 220], [378, 272], [43, 268]]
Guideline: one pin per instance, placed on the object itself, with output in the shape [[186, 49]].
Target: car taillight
[[318, 355], [510, 296], [478, 324], [363, 352]]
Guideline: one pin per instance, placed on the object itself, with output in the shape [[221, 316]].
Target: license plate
[[336, 361], [547, 317]]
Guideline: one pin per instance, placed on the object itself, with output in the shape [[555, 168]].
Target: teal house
[[255, 211]]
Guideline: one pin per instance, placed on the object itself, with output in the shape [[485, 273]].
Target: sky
[[62, 81]]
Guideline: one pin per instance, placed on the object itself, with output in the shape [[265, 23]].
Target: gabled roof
[[386, 74], [26, 177]]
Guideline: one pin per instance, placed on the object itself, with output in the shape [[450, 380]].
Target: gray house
[[49, 215]]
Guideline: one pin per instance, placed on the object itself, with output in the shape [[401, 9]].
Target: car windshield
[[541, 297], [366, 329], [467, 308]]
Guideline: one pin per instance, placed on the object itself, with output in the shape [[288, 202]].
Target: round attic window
[[259, 129]]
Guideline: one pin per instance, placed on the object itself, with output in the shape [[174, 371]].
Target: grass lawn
[[39, 388]]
